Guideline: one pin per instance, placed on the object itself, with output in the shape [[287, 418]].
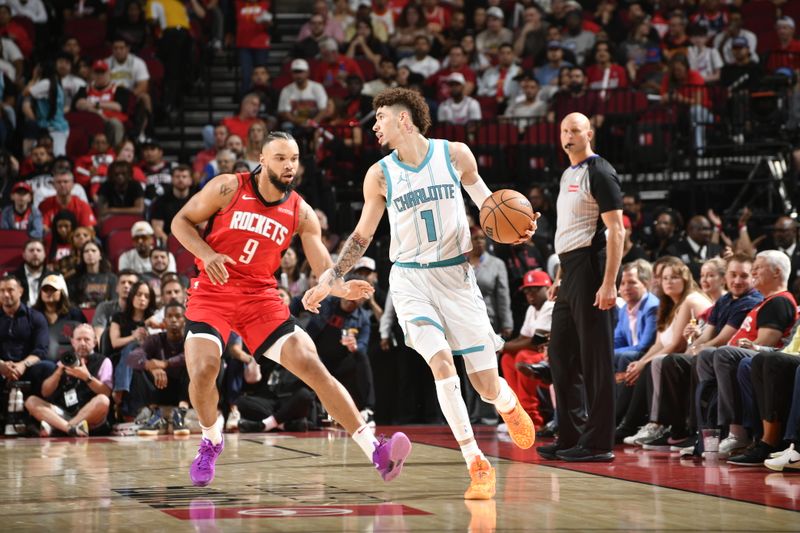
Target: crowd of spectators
[[95, 211]]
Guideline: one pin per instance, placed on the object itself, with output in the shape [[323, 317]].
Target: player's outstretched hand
[[215, 268], [528, 232], [314, 296], [355, 289]]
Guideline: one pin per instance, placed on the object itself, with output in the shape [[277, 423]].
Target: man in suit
[[784, 239], [32, 271], [696, 247], [635, 332]]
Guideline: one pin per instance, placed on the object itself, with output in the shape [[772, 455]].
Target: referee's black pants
[[581, 343]]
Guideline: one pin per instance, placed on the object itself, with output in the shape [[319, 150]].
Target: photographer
[[79, 389]]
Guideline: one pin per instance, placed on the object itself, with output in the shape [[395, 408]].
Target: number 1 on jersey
[[427, 216], [248, 251]]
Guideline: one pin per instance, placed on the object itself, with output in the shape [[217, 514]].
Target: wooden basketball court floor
[[320, 481]]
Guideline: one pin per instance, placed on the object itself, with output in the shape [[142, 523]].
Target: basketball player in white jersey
[[438, 303]]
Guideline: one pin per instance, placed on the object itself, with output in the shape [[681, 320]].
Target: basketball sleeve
[[604, 185]]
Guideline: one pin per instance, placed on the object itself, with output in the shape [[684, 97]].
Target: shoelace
[[206, 452]]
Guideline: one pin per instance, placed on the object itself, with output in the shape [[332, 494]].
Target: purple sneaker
[[389, 455], [202, 469]]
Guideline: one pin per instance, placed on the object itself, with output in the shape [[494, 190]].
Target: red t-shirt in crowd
[[439, 15], [330, 74], [82, 211], [784, 56], [774, 312], [238, 126], [617, 77], [694, 82], [251, 32], [91, 171]]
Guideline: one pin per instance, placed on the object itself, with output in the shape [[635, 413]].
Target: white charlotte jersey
[[426, 209]]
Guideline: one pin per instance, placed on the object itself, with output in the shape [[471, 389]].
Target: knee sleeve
[[452, 404]]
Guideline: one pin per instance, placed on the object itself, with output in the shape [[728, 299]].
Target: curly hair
[[411, 101]]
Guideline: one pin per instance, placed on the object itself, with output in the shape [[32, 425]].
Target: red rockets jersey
[[254, 233]]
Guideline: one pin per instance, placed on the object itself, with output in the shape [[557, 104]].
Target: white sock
[[470, 451], [737, 431], [269, 423], [506, 400], [214, 433], [448, 391], [366, 440]]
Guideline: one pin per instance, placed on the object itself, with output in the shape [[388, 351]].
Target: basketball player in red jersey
[[251, 221]]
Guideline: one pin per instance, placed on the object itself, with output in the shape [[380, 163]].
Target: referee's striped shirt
[[587, 189]]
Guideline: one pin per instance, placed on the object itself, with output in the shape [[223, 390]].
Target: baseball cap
[[365, 262], [57, 282], [554, 44], [142, 228], [496, 12], [536, 278], [785, 20], [456, 77], [150, 142], [22, 186], [100, 66], [739, 42], [300, 65]]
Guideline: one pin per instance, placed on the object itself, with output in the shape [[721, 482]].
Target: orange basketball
[[505, 216]]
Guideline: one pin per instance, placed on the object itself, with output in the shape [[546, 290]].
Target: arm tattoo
[[225, 189], [352, 251]]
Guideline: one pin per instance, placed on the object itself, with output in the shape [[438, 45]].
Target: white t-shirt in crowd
[[462, 112], [427, 66], [537, 319], [128, 73], [704, 61], [310, 100]]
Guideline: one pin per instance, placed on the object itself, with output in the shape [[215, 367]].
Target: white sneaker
[[686, 452], [233, 421], [649, 431], [788, 460], [502, 428], [731, 444], [369, 418]]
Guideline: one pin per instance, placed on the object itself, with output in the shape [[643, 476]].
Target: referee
[[581, 338]]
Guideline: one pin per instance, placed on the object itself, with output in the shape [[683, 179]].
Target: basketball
[[505, 216]]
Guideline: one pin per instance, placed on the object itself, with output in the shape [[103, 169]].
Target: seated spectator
[[138, 258], [92, 169], [547, 74], [767, 325], [159, 266], [240, 124], [54, 304], [577, 99], [575, 38], [120, 194], [172, 290], [160, 377], [421, 61], [710, 17], [93, 282], [168, 204], [527, 347], [530, 38], [131, 72], [71, 83], [723, 41], [256, 135], [492, 279], [457, 65], [786, 50], [68, 265], [130, 28], [703, 59], [387, 78], [476, 60], [37, 170], [107, 309], [341, 332], [267, 96], [126, 151], [64, 200], [635, 331], [527, 104], [125, 332], [712, 279], [241, 369], [458, 108], [107, 99], [686, 87], [365, 46], [222, 164], [630, 250], [604, 73], [236, 145], [410, 26], [157, 169], [24, 338], [277, 401], [664, 233], [675, 41], [32, 270], [64, 223], [500, 81], [333, 68], [308, 46], [680, 299], [332, 28], [495, 35], [697, 246], [74, 400], [679, 369], [290, 275], [42, 95], [21, 215], [301, 101], [642, 47], [204, 157]]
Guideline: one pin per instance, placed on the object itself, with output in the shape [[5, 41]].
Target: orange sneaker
[[520, 427], [482, 486]]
